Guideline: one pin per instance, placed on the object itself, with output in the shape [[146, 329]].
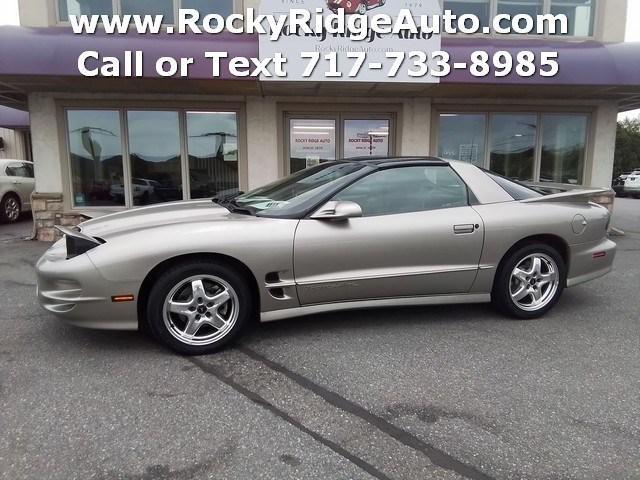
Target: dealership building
[[114, 143]]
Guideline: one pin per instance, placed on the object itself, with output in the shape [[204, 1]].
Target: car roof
[[4, 161], [383, 161]]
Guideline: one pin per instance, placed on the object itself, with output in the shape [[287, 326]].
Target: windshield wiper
[[228, 202], [222, 199]]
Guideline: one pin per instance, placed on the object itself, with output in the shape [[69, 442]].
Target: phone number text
[[436, 64]]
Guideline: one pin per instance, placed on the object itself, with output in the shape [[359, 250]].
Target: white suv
[[632, 184], [16, 185]]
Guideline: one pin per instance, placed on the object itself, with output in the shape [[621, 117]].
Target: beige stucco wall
[[262, 141], [415, 127], [14, 146], [45, 143], [37, 13], [611, 21], [603, 139]]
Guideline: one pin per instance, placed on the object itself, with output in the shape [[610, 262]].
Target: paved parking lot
[[417, 393]]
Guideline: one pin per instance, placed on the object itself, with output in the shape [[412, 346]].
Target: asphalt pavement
[[414, 393]]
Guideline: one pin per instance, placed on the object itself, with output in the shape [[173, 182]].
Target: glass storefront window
[[479, 8], [564, 139], [83, 7], [149, 7], [513, 144], [155, 153], [462, 137], [579, 14], [95, 148], [311, 141], [206, 7], [533, 8], [366, 138], [213, 153]]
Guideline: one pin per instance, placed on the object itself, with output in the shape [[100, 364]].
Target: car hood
[[159, 215]]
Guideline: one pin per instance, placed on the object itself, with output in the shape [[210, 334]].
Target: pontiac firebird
[[341, 235]]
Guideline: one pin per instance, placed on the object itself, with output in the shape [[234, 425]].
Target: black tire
[[501, 294], [166, 283], [7, 201]]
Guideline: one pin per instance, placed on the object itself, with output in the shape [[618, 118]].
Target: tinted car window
[[516, 190], [407, 189], [19, 170]]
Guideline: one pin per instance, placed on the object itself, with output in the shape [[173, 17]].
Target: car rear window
[[516, 190]]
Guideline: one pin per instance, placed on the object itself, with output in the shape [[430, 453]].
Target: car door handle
[[464, 228]]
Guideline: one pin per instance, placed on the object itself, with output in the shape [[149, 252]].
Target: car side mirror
[[337, 210]]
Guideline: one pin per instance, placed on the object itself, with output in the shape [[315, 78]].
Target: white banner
[[338, 55]]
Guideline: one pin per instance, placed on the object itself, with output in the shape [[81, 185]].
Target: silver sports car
[[341, 235]]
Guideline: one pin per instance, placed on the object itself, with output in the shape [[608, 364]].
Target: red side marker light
[[599, 254], [122, 298]]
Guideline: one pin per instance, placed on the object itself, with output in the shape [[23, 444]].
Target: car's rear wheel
[[199, 307], [362, 8], [529, 281], [10, 208]]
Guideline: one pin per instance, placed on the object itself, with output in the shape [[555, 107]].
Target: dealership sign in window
[[366, 138], [340, 57], [311, 141]]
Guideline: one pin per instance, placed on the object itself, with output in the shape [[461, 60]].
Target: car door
[[22, 182], [418, 236]]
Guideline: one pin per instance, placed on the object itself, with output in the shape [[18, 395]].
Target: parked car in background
[[623, 189], [143, 189], [632, 185], [16, 185], [383, 232]]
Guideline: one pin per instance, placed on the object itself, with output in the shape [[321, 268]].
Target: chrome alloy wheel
[[11, 209], [534, 282], [201, 310]]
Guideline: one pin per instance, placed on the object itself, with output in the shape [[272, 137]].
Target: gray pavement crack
[[437, 456], [262, 402]]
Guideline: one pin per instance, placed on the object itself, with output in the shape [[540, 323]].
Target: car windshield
[[299, 189]]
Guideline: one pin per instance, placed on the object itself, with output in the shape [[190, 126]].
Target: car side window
[[17, 170], [28, 170], [407, 189]]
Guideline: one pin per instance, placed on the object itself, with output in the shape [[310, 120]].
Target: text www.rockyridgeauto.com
[[348, 62]]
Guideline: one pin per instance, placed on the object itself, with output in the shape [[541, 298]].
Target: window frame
[[490, 110], [546, 9], [116, 9], [122, 108]]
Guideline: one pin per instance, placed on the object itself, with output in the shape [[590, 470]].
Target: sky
[[9, 16]]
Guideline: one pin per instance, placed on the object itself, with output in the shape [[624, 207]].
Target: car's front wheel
[[529, 281], [199, 307]]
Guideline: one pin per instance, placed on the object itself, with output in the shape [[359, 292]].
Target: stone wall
[[47, 212]]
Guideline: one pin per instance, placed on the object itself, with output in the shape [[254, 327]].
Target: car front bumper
[[75, 291]]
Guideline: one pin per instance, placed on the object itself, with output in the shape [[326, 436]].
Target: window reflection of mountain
[[93, 181], [216, 170]]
